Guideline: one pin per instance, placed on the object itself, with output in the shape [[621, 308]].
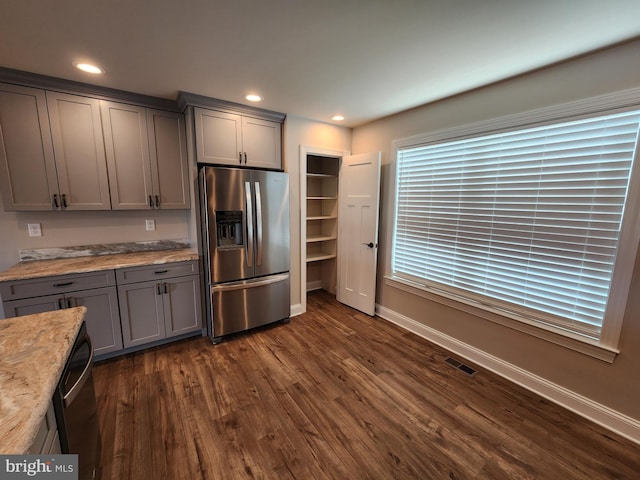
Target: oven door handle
[[86, 373]]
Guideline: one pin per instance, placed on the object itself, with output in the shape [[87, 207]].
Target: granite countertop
[[92, 263], [33, 352]]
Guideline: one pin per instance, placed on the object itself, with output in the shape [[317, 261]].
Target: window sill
[[550, 334]]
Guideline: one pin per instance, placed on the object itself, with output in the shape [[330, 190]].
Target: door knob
[[370, 244]]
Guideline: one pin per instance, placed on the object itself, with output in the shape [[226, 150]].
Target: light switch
[[151, 224], [34, 229]]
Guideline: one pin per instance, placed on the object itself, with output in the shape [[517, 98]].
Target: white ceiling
[[362, 58]]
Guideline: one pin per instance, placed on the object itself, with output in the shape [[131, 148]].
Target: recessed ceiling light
[[253, 98], [337, 118], [88, 68]]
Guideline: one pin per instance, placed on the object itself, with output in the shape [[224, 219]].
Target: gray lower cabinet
[[159, 302], [47, 441], [126, 308], [54, 293]]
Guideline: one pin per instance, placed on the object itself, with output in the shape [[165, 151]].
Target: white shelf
[[323, 217], [316, 257], [322, 198], [320, 239], [320, 175]]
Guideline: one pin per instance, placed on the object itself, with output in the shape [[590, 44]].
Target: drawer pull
[[160, 272], [60, 285]]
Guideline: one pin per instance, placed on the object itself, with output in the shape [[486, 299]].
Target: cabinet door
[[78, 146], [262, 143], [182, 309], [29, 306], [102, 317], [127, 152], [168, 152], [27, 166], [218, 137], [141, 313]]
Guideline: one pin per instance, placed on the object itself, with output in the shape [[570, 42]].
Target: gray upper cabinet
[[168, 152], [146, 157], [231, 139], [52, 154], [78, 148], [28, 177]]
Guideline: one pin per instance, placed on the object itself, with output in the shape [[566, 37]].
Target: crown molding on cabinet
[[186, 99], [28, 79]]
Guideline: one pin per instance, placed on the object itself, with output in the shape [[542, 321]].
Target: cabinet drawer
[[37, 287], [156, 272]]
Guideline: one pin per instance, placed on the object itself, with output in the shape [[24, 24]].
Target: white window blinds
[[526, 221]]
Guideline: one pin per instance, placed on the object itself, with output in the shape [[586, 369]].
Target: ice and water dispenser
[[229, 228]]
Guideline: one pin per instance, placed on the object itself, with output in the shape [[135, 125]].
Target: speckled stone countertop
[[33, 352], [94, 263]]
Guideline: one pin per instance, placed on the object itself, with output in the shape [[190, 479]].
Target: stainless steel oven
[[76, 410]]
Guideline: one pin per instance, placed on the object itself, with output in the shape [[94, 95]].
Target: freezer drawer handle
[[249, 284], [73, 391]]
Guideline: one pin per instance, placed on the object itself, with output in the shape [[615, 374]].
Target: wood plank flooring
[[335, 394]]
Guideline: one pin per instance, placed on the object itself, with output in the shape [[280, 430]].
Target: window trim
[[606, 348]]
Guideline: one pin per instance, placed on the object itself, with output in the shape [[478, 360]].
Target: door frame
[[320, 152]]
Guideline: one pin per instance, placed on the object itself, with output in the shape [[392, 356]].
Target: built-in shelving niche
[[321, 221]]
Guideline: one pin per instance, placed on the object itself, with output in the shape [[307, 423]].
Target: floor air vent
[[460, 366]]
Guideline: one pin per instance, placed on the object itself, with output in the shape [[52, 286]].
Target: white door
[[359, 193]]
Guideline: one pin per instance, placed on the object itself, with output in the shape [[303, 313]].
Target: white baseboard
[[314, 285], [602, 415], [297, 309]]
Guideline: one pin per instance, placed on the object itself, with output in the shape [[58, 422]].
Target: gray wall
[[613, 385]]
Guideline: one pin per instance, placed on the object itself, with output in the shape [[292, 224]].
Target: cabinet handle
[[245, 158], [61, 303], [69, 302], [150, 201], [160, 272], [157, 201], [240, 158], [64, 200], [55, 200], [166, 287], [60, 285], [159, 289]]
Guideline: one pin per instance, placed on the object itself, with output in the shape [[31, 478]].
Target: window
[[527, 222]]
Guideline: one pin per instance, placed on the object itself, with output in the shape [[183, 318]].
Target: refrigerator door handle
[[205, 212], [244, 284], [249, 207], [258, 224]]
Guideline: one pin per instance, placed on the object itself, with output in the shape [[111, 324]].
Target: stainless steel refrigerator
[[245, 228]]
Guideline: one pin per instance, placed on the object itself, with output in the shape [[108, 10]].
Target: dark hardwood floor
[[336, 394]]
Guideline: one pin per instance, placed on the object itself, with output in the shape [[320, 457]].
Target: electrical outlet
[[150, 224], [35, 229]]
